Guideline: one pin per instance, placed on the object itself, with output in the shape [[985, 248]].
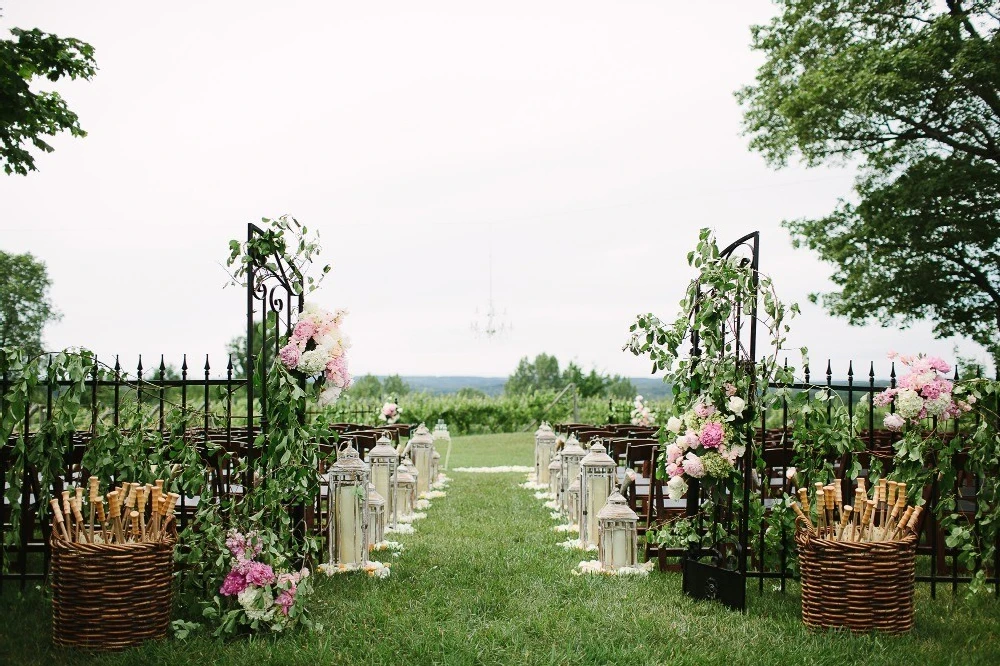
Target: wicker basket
[[111, 596], [858, 586]]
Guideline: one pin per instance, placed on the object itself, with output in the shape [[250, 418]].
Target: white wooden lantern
[[598, 473], [376, 516], [405, 491], [348, 532], [572, 454], [545, 445], [383, 461], [617, 527], [554, 469], [441, 438], [573, 502], [421, 447]]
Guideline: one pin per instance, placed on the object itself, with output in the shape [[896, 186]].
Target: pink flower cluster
[[317, 346], [390, 412], [922, 392], [247, 571]]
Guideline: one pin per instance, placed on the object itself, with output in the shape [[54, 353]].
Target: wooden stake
[[845, 518], [57, 518]]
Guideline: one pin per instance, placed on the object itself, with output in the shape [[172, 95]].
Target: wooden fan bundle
[[135, 513], [884, 516]]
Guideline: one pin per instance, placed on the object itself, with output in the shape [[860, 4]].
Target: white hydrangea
[[938, 405], [312, 362], [257, 602], [676, 487], [909, 403]]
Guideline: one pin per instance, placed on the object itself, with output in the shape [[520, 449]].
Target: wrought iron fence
[[771, 558]]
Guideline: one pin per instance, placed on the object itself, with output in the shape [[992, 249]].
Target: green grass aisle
[[484, 582]]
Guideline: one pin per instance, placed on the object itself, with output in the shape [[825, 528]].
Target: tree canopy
[[543, 374], [910, 91], [26, 115], [25, 306]]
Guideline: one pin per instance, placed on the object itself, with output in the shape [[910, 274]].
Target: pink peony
[[290, 355], [938, 364], [730, 390], [703, 411], [673, 453], [234, 584], [286, 600], [711, 435], [693, 466], [304, 330], [893, 422], [674, 470], [260, 574]]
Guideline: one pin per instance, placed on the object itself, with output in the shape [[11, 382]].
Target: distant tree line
[[543, 374]]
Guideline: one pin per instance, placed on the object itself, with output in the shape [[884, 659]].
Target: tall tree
[[25, 306], [26, 115], [909, 90], [395, 387], [538, 375]]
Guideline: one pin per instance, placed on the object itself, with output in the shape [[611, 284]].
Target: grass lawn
[[483, 582]]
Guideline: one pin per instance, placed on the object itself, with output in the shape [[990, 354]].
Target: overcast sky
[[584, 143]]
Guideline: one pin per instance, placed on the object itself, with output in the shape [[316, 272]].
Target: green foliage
[[498, 589], [539, 375], [25, 307], [936, 453], [27, 115], [543, 374], [365, 387], [237, 346], [394, 387], [911, 90]]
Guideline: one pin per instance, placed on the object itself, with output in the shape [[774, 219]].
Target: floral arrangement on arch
[[923, 392], [641, 414], [389, 413], [707, 441], [265, 599], [318, 347]]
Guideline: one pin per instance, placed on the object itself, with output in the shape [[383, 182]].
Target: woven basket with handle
[[111, 596], [857, 586]]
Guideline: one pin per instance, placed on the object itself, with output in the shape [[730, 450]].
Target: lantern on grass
[[383, 461], [441, 437], [598, 473], [572, 454], [348, 538], [617, 527], [376, 516], [407, 465], [573, 502], [545, 446], [435, 467], [421, 447], [554, 469], [405, 491]]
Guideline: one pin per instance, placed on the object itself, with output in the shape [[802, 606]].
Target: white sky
[[585, 142]]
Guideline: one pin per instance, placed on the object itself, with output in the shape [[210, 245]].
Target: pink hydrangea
[[711, 435], [884, 398], [693, 466], [260, 574], [304, 330], [234, 584], [286, 577], [286, 600], [290, 355]]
